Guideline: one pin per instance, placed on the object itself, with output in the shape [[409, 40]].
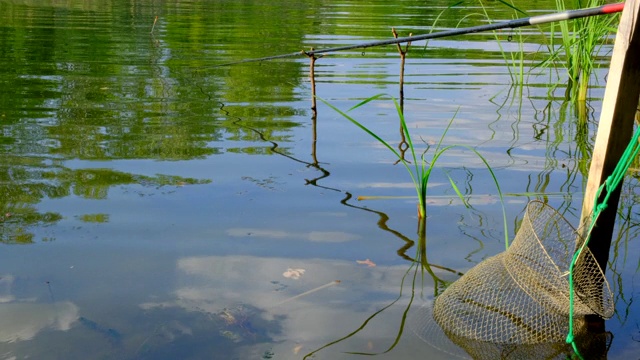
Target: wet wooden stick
[[154, 24], [314, 108], [403, 145], [312, 77], [403, 56]]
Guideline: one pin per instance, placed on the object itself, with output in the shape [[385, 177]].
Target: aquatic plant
[[420, 168]]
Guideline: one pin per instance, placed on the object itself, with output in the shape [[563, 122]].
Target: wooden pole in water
[[614, 129], [402, 145], [312, 77], [314, 107]]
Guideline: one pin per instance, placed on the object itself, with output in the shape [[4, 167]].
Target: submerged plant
[[420, 168]]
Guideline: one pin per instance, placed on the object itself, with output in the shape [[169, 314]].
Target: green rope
[[610, 185]]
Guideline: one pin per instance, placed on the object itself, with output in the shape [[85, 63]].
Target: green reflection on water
[[88, 81]]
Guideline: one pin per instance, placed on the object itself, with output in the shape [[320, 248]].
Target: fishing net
[[594, 343], [517, 302]]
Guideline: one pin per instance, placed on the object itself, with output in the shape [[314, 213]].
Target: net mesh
[[521, 296]]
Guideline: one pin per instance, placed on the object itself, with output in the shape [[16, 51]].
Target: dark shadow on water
[[220, 335]]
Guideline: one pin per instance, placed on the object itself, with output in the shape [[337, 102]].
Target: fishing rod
[[516, 23]]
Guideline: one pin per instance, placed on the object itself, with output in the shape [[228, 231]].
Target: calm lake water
[[154, 205]]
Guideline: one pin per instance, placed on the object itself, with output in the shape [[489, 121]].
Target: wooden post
[[615, 128]]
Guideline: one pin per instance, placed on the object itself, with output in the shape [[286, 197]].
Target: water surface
[[155, 205]]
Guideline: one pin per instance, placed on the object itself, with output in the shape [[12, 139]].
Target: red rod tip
[[613, 8]]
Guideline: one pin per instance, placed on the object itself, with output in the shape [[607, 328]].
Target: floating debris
[[367, 262], [293, 273]]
